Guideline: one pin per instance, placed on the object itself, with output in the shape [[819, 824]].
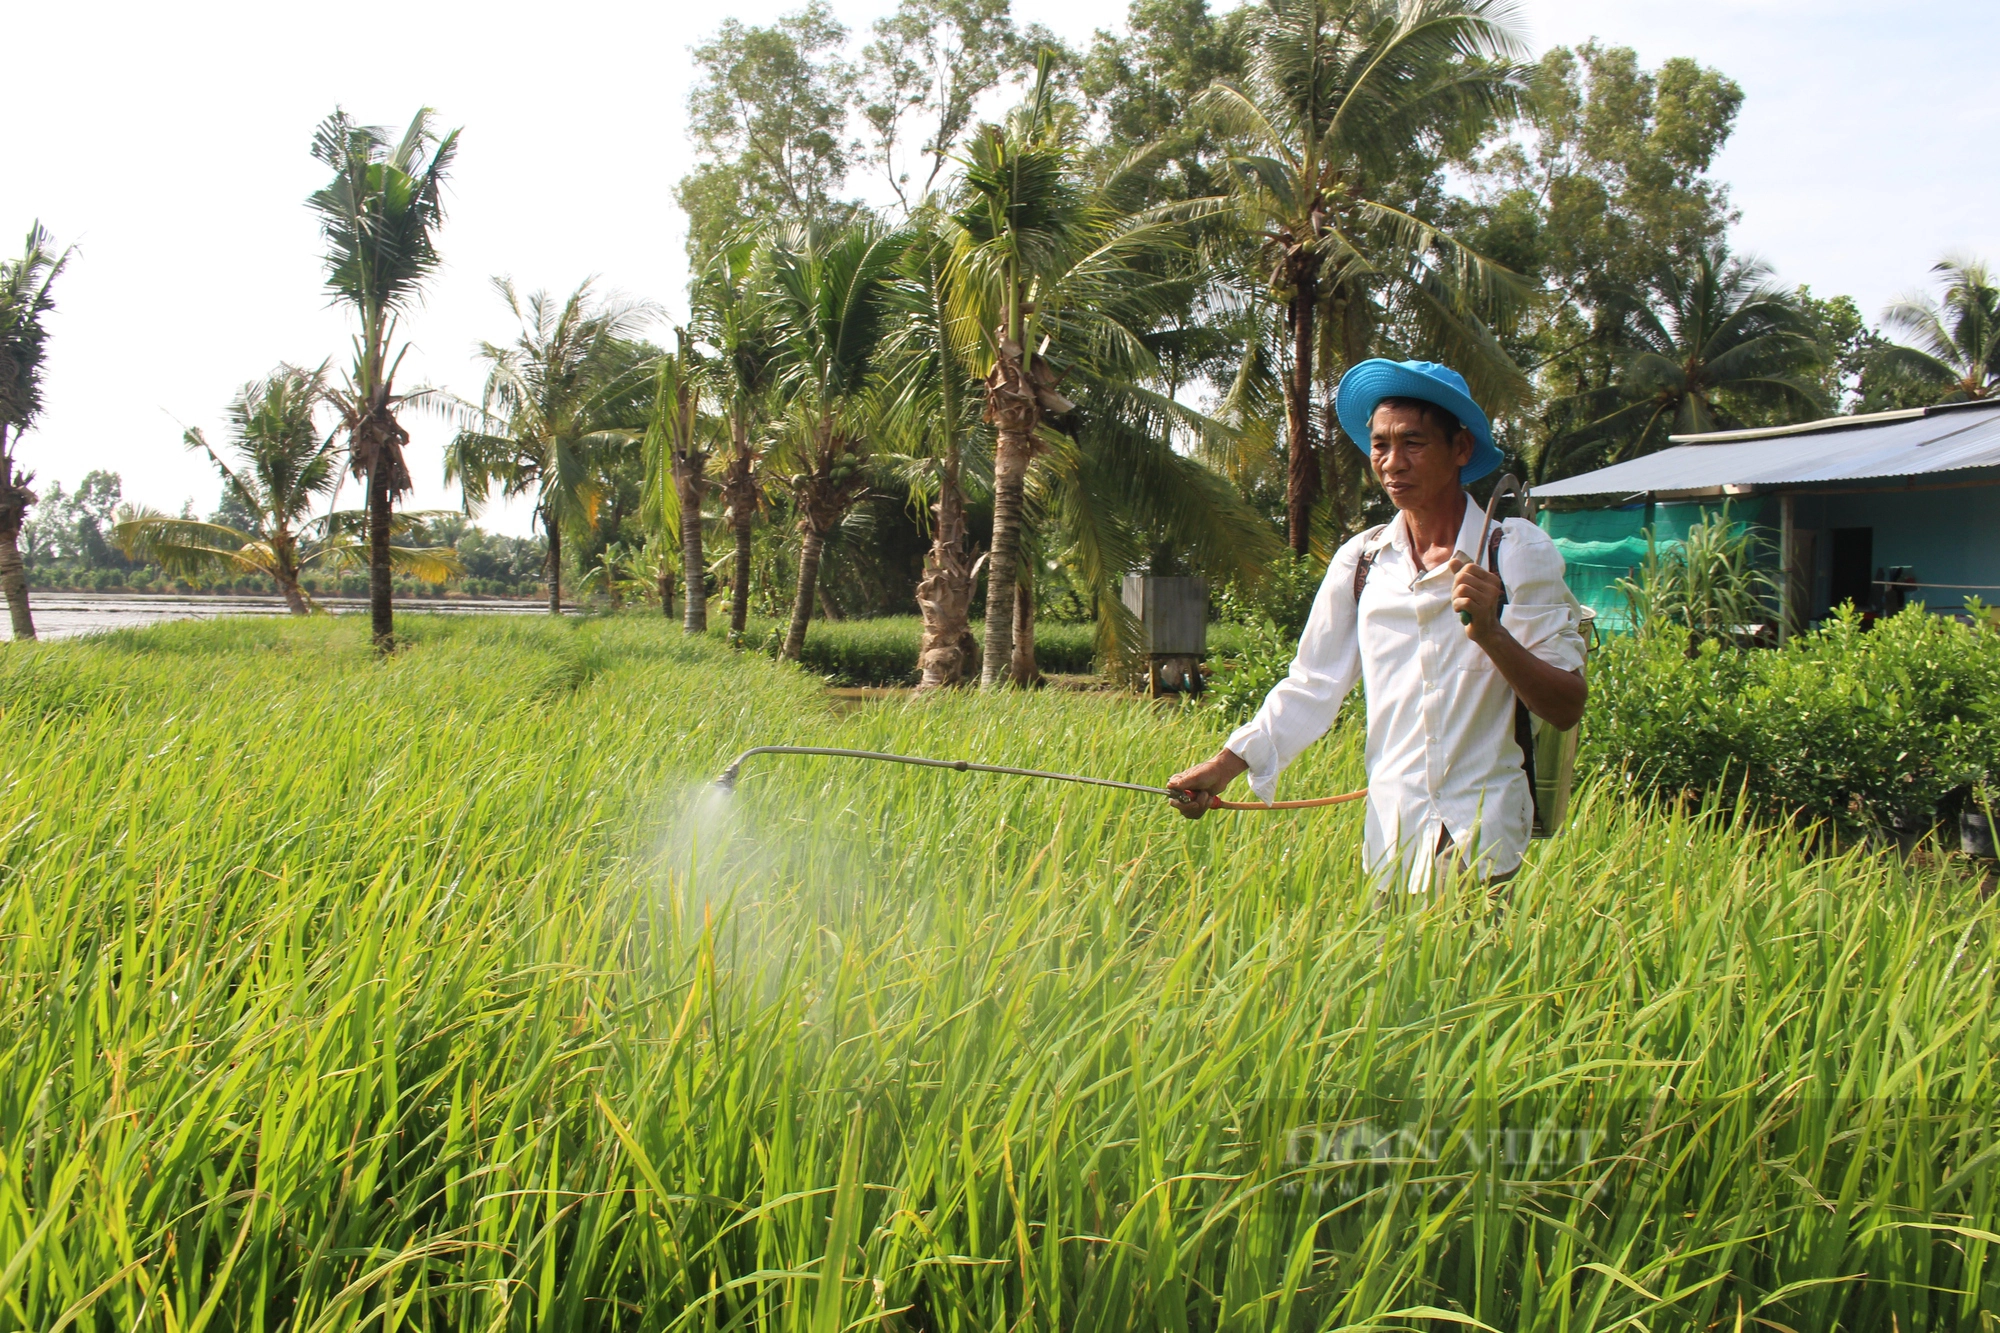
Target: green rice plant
[[442, 992]]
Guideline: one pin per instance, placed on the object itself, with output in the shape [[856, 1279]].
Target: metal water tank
[[1173, 629]]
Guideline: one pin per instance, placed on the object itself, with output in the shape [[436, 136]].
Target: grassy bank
[[883, 650], [441, 994]]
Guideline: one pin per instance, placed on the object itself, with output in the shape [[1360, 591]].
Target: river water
[[67, 614]]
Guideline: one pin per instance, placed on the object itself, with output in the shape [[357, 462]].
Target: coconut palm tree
[[829, 307], [1957, 339], [25, 304], [380, 216], [1712, 340], [730, 317], [283, 465], [191, 549], [544, 418], [1050, 273], [932, 410], [1336, 95], [676, 461]]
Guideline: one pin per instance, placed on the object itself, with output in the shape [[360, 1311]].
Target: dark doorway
[[1853, 567]]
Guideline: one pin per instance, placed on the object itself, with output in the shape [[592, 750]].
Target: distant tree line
[[71, 543]]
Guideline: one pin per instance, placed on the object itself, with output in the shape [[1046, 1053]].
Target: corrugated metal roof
[[1899, 444]]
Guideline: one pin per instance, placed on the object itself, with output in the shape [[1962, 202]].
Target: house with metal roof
[[1870, 509]]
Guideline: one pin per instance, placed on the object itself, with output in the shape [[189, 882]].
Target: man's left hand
[[1476, 589]]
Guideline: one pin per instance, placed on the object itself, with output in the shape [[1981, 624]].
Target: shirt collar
[[1469, 530]]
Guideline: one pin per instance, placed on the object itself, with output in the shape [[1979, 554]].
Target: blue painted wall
[[1943, 536]]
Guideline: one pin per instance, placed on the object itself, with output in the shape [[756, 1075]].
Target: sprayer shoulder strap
[[1370, 544], [1370, 547]]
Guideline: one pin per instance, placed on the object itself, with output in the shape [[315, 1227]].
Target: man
[[1446, 783]]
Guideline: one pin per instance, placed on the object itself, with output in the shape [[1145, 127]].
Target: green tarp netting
[[1601, 546], [1593, 569]]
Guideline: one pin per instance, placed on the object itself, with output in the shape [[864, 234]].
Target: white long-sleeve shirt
[[1441, 749]]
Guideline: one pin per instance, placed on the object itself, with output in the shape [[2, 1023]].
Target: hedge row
[[1889, 728], [884, 651]]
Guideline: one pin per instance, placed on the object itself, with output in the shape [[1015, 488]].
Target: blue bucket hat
[[1368, 382]]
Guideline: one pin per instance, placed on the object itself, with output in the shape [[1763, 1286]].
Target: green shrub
[[1861, 729], [1283, 597], [1259, 657]]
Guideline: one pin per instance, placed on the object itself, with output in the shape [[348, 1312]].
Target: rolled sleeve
[[1540, 613], [1301, 707]]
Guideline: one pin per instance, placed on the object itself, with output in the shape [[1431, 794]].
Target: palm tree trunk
[[739, 491], [1021, 667], [287, 580], [689, 481], [14, 501], [666, 591], [1010, 471], [1015, 411], [381, 612], [739, 589], [695, 618], [285, 570], [1302, 460], [945, 594], [554, 531], [802, 603]]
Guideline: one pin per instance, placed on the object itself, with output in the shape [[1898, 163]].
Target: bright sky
[[169, 142]]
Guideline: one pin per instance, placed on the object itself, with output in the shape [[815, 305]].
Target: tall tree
[[830, 309], [1957, 339], [677, 470], [542, 424], [1051, 273], [930, 61], [933, 405], [379, 216], [25, 303], [768, 117], [1336, 95], [1606, 189], [1145, 82], [1710, 343], [731, 318]]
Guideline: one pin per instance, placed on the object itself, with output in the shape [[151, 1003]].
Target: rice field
[[442, 994]]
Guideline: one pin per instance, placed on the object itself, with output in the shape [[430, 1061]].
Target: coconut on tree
[[379, 216], [285, 463], [549, 413], [25, 303], [829, 301], [1336, 95]]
